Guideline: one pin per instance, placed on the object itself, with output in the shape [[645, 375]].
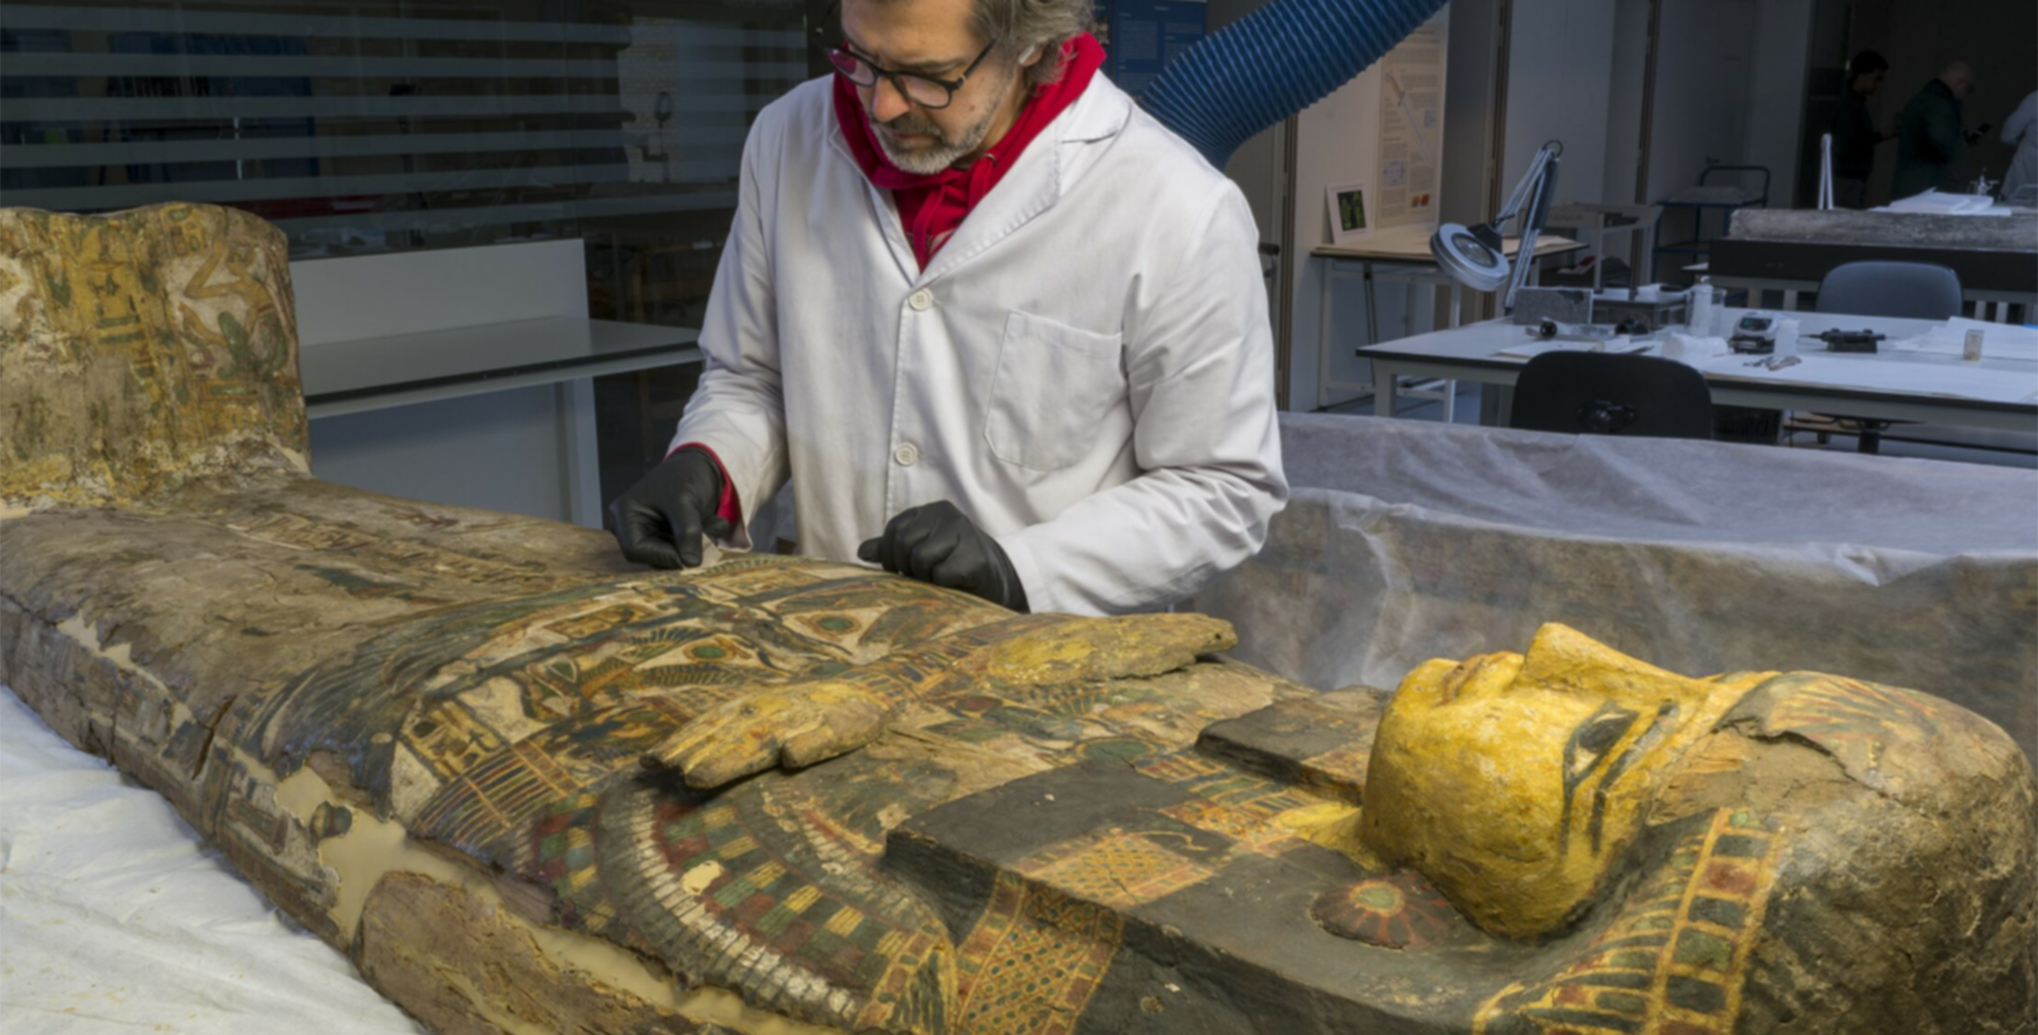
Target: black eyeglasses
[[923, 90]]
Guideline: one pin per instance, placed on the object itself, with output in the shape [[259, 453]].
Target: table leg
[[580, 462], [1384, 380], [1372, 310], [1595, 240], [1789, 300], [1329, 286]]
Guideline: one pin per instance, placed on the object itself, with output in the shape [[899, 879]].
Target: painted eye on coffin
[[1593, 738]]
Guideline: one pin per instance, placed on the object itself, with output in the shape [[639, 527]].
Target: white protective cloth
[[1085, 369], [115, 917], [2020, 130], [1410, 540]]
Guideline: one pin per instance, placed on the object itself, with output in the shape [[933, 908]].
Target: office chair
[[1919, 290], [1597, 393]]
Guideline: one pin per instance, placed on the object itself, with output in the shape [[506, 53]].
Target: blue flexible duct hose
[[1273, 63]]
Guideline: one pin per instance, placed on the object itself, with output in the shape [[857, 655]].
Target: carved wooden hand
[[791, 726]]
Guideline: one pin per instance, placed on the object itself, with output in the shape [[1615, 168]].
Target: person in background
[[1854, 134], [1930, 138], [2021, 132]]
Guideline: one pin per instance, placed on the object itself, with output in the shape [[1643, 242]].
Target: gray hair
[[1021, 25]]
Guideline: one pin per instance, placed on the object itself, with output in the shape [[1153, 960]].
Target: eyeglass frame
[[896, 77]]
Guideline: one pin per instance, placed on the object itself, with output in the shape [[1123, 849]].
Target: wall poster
[[1411, 129]]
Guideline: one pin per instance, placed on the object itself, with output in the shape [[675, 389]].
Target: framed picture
[[1348, 216]]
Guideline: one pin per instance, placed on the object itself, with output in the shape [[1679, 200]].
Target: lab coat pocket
[[1053, 387]]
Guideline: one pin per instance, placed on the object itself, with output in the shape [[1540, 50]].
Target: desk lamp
[[1474, 257]]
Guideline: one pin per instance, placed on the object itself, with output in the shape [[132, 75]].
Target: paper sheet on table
[[1999, 340], [117, 918], [1955, 379], [1936, 202]]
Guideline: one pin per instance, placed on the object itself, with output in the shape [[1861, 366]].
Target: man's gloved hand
[[660, 519], [937, 544]]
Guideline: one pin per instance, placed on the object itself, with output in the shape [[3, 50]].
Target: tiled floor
[[1467, 412]]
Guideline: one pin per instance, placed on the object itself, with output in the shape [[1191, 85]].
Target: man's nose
[[887, 101]]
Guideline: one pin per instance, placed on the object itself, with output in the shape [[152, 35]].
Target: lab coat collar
[[1039, 177]]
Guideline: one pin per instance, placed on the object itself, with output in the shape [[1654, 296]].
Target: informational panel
[[1411, 129], [1141, 36]]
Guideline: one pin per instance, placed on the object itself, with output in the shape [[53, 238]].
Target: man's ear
[[1032, 56]]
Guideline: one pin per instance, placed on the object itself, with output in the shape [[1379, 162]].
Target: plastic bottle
[[1786, 338], [1698, 309]]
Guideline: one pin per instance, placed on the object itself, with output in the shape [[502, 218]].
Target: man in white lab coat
[[1003, 331]]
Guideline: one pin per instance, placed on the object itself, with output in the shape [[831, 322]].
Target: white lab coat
[[2021, 131], [1085, 368]]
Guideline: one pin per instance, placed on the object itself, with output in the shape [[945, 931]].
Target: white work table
[[402, 369], [1886, 385], [1398, 253], [466, 376]]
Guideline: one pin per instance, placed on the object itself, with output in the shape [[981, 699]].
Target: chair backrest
[[1598, 393], [1743, 173], [1919, 290]]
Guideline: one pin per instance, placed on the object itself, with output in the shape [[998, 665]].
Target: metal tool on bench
[[1558, 330], [1838, 340]]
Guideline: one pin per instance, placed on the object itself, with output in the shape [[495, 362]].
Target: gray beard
[[930, 160]]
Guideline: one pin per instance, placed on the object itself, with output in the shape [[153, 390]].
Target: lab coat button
[[921, 300], [907, 454]]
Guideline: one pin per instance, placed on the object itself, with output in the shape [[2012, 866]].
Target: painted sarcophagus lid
[[530, 788]]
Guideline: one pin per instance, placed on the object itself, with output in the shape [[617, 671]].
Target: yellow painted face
[[1512, 782]]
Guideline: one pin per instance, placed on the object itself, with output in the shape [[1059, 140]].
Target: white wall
[[1783, 39], [1703, 65], [1560, 62], [1729, 86], [1337, 141], [1624, 102]]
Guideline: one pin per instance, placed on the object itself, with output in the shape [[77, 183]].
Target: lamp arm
[[1523, 189], [1532, 224]]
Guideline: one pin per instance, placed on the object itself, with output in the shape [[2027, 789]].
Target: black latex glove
[[937, 544], [660, 519]]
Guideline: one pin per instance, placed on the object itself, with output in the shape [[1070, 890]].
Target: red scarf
[[932, 207]]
